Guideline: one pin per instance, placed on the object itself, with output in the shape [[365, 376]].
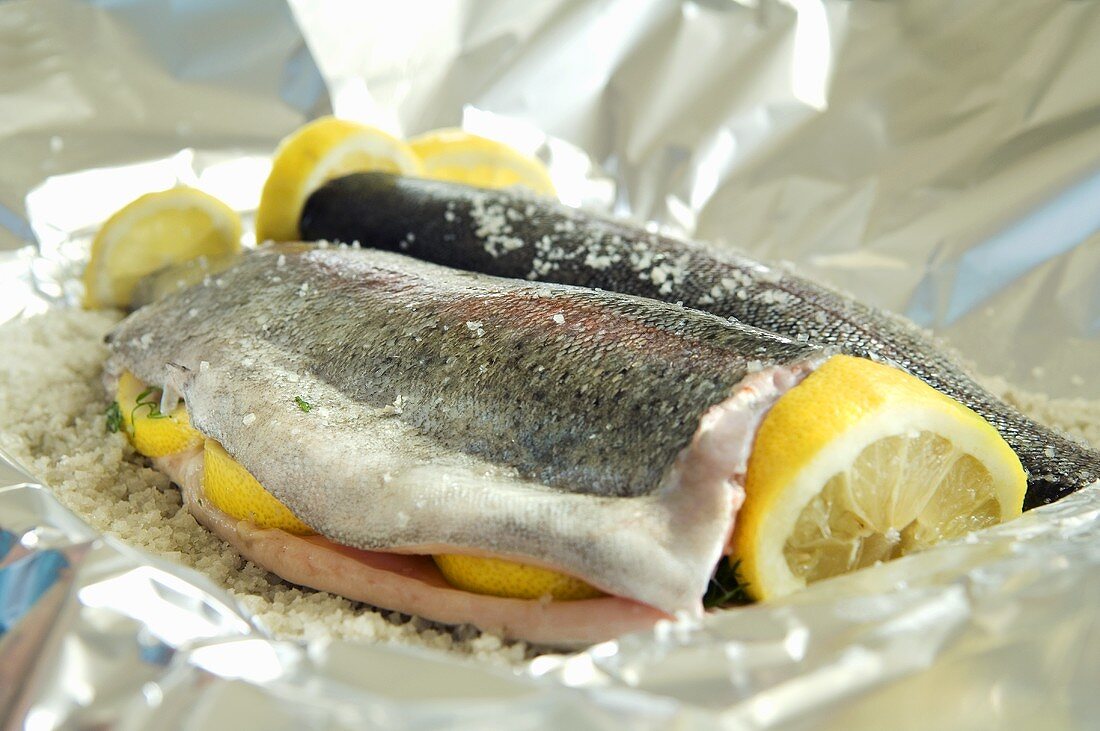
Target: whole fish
[[598, 434], [508, 234]]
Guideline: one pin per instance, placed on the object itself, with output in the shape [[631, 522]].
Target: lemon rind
[[96, 277], [780, 509], [304, 160]]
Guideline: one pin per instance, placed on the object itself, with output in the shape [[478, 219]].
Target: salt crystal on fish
[[397, 407]]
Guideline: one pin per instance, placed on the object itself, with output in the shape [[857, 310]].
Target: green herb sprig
[[114, 417], [153, 404], [726, 587]]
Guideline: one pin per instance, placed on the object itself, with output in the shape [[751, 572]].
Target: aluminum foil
[[939, 159]]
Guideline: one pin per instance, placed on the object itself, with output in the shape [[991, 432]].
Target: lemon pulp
[[325, 148], [155, 231], [862, 463]]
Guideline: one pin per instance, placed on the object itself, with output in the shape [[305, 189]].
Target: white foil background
[[939, 159]]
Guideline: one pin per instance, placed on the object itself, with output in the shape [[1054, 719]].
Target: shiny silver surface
[[939, 159]]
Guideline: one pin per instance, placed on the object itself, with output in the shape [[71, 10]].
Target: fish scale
[[600, 403], [508, 234], [458, 410]]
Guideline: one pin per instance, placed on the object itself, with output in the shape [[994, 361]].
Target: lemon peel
[[863, 463], [152, 433], [154, 231], [498, 577], [461, 157], [233, 490], [325, 148]]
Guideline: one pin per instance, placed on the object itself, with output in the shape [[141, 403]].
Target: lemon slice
[[154, 231], [152, 433], [862, 463], [325, 148], [498, 577], [458, 156], [233, 490]]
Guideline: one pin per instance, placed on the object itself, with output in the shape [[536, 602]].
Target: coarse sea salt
[[491, 225], [395, 408]]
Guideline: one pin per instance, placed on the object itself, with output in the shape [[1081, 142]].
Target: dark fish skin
[[451, 408], [588, 391], [510, 235]]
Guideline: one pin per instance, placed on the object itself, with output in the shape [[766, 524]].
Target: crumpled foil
[[939, 159]]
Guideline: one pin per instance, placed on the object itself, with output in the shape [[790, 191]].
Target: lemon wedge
[[154, 231], [325, 148], [862, 463], [461, 157], [152, 433], [233, 490], [497, 577]]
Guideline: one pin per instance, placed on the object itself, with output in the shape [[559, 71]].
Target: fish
[[601, 435], [507, 233]]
